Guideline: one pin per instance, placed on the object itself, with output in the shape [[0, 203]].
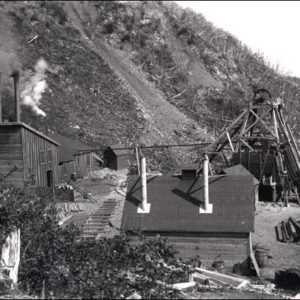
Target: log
[[183, 285]]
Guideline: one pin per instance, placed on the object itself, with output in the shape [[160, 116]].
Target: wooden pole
[[230, 143], [137, 160], [275, 124]]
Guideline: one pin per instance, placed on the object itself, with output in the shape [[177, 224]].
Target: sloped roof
[[118, 149], [40, 134], [68, 147], [190, 166], [175, 205], [240, 170]]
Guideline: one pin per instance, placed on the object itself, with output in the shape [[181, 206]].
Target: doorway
[[49, 178]]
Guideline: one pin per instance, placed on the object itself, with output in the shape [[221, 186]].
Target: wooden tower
[[262, 141]]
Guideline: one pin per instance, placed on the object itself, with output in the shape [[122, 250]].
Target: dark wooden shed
[[27, 155], [116, 157], [174, 213]]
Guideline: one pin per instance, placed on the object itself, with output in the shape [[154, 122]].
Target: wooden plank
[[234, 281]]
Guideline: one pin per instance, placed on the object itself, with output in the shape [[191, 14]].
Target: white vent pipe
[[144, 182], [206, 208], [205, 179], [145, 206]]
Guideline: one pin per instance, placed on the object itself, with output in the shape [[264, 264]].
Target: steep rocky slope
[[131, 72]]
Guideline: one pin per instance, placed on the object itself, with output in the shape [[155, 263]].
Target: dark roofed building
[[174, 213], [76, 160], [116, 157], [27, 155]]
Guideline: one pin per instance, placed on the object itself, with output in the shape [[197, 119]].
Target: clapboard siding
[[20, 146], [11, 155], [33, 147], [229, 247], [85, 163]]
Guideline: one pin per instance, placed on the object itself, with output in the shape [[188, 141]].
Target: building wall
[[40, 156], [232, 248], [11, 154], [257, 164], [65, 171], [122, 162], [85, 163]]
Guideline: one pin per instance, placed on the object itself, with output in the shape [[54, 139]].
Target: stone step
[[100, 217], [97, 220], [90, 232], [95, 224], [93, 227]]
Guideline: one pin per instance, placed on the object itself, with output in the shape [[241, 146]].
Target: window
[[42, 157], [49, 155]]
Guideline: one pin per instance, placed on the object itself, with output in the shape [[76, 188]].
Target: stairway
[[98, 220]]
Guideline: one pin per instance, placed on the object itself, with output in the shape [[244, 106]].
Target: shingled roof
[[118, 149], [68, 147], [175, 205]]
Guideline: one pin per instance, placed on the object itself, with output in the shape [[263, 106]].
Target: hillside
[[131, 72]]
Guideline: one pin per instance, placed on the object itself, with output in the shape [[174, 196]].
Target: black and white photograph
[[149, 150]]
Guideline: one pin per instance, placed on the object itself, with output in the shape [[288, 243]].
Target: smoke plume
[[35, 87]]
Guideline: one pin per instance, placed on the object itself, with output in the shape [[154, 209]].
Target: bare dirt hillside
[[130, 72]]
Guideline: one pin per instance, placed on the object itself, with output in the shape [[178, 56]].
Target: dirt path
[[163, 118]]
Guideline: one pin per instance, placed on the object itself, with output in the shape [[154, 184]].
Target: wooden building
[[115, 157], [174, 213], [76, 160], [87, 162], [27, 155]]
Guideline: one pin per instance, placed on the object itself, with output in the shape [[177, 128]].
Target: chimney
[[206, 208], [16, 76], [0, 98], [144, 207]]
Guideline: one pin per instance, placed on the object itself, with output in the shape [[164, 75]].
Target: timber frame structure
[[262, 128]]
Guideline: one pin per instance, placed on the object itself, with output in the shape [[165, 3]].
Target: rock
[[288, 279]]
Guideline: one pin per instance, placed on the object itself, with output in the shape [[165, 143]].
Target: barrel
[[261, 256]]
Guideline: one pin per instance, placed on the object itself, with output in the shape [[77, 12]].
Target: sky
[[270, 27]]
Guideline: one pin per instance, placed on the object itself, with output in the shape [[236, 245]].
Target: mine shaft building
[[27, 155], [174, 214]]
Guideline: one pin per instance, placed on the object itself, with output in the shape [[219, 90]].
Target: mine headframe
[[261, 140]]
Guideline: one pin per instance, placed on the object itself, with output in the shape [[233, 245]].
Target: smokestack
[[16, 77], [144, 207], [0, 98], [207, 207]]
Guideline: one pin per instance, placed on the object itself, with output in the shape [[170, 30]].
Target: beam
[[216, 142], [230, 143], [246, 144], [256, 121], [263, 123]]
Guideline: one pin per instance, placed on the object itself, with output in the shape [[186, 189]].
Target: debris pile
[[288, 231]]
